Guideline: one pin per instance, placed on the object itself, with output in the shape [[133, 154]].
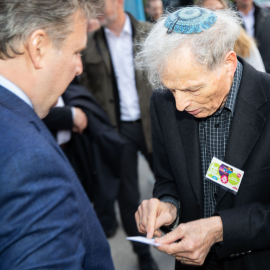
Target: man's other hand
[[196, 237], [152, 214], [79, 121]]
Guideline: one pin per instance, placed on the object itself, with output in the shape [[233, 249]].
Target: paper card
[[225, 175], [144, 240]]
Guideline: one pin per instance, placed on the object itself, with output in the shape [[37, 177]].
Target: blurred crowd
[[102, 120]]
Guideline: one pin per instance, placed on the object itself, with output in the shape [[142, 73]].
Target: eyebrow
[[188, 88]]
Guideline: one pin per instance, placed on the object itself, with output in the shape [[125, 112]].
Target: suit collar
[[189, 130], [25, 112]]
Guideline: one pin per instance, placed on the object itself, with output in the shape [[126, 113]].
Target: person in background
[[124, 94], [93, 25], [245, 45], [62, 120], [153, 10], [257, 24], [171, 5], [47, 221]]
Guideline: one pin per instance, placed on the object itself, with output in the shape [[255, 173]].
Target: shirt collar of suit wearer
[[231, 99], [127, 29], [15, 90], [250, 13]]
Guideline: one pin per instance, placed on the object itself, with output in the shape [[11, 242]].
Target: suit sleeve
[[245, 229], [59, 118], [165, 184], [39, 223]]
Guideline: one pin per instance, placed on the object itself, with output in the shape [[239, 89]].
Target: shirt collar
[[126, 29], [15, 90], [231, 99], [250, 13]]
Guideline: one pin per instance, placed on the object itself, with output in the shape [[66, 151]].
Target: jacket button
[[111, 100], [243, 253], [249, 251]]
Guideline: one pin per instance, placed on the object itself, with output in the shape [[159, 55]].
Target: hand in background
[[79, 121], [152, 214]]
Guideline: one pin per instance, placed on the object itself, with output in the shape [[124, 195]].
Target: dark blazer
[[245, 216], [262, 34], [98, 77], [47, 221], [59, 118], [95, 154]]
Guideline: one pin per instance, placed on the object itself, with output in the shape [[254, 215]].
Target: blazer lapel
[[247, 124], [24, 111], [41, 127], [103, 49], [189, 130]]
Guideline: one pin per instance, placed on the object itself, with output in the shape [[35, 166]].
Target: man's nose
[[181, 100]]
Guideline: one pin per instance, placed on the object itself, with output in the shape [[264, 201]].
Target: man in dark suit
[[124, 94], [213, 105], [256, 21], [46, 221]]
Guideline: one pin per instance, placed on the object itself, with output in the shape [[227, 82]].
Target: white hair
[[208, 48]]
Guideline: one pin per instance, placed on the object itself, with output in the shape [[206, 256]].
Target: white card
[[144, 240]]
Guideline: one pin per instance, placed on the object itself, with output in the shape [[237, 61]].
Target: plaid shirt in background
[[213, 136]]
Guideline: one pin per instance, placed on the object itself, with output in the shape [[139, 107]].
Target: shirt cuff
[[176, 203], [73, 111]]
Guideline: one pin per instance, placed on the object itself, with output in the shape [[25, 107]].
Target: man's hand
[[196, 237], [153, 214], [80, 121]]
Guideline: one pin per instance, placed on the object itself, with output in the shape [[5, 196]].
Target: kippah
[[190, 20]]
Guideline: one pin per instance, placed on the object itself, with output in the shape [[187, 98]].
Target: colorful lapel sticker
[[225, 175]]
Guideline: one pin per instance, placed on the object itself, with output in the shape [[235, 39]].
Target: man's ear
[[231, 62], [38, 45]]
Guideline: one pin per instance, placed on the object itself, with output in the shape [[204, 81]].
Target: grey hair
[[20, 18], [208, 47]]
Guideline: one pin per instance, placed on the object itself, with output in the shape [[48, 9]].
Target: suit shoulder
[[17, 134], [265, 81]]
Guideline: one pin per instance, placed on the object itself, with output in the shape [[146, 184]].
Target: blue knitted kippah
[[190, 20]]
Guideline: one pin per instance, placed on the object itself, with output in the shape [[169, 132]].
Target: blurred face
[[110, 15], [155, 9], [244, 3], [197, 91], [61, 66], [213, 4]]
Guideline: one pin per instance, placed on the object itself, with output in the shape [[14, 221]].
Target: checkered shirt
[[213, 136]]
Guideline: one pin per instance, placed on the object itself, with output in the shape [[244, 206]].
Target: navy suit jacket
[[46, 219]]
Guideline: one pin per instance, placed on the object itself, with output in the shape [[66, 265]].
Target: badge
[[225, 175]]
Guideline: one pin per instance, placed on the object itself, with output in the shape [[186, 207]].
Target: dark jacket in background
[[96, 153], [246, 215], [98, 77], [262, 34]]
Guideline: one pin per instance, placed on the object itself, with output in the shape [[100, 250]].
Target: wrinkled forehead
[[181, 68]]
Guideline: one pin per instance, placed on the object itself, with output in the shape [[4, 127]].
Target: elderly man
[[47, 221], [214, 105]]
